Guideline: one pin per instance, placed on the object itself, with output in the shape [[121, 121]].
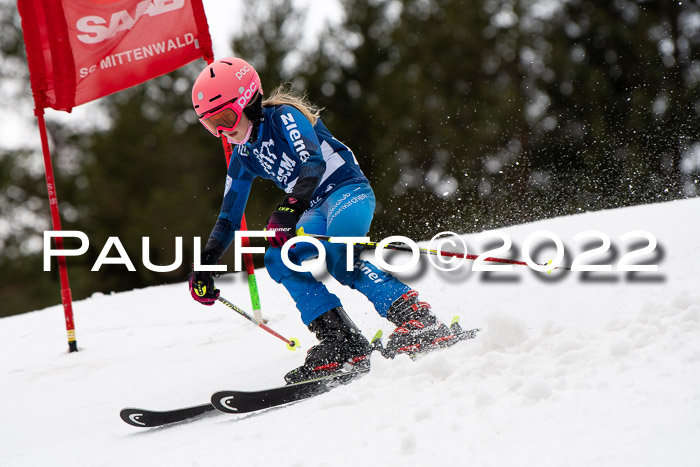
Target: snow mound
[[569, 369]]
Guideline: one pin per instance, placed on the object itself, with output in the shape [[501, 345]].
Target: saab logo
[[96, 28], [242, 72]]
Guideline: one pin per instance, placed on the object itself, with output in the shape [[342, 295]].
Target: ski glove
[[201, 283], [284, 220], [202, 287]]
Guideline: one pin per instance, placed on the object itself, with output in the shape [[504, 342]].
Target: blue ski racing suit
[[308, 163]]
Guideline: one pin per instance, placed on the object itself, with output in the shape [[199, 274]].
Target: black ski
[[245, 401], [251, 401], [150, 418]]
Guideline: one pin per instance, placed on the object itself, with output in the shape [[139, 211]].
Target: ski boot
[[341, 346], [418, 329]]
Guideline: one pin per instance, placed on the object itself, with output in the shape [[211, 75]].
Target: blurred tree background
[[465, 115]]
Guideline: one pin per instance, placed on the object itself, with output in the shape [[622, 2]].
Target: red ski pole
[[292, 343]]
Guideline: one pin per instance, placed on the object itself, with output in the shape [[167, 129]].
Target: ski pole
[[425, 251], [292, 343]]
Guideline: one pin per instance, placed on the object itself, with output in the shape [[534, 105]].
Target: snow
[[570, 369]]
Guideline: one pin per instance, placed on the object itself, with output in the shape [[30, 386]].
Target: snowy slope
[[602, 369]]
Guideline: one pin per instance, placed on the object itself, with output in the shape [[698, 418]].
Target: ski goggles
[[224, 118]]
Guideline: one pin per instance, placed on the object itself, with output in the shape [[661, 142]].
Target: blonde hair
[[284, 95]]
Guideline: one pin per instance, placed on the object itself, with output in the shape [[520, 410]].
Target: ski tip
[[469, 333], [133, 417], [223, 402], [143, 418]]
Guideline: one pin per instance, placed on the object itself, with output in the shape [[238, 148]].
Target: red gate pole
[[66, 298], [247, 257], [245, 242]]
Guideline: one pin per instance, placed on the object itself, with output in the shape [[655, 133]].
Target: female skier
[[283, 139]]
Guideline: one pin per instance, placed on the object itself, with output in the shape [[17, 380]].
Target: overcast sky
[[222, 16]]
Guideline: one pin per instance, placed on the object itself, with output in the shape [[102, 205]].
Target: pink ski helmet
[[221, 92]]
